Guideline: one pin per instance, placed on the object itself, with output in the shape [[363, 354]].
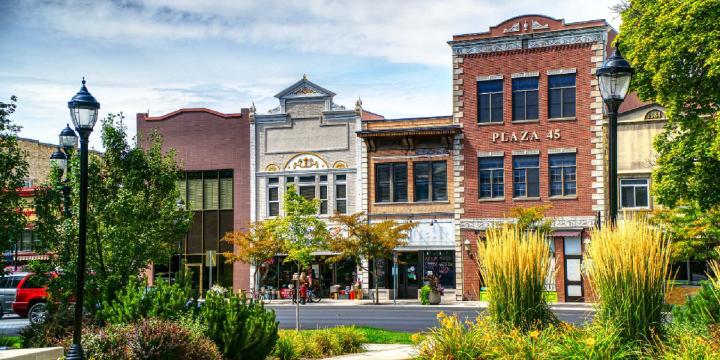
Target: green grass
[[382, 336], [14, 342]]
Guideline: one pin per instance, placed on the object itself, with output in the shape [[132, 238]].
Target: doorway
[[409, 275], [195, 273], [573, 264]]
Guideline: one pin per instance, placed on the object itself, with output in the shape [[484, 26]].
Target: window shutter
[[226, 193], [211, 193], [195, 194]]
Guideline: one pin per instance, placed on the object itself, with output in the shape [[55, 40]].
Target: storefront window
[[442, 264]]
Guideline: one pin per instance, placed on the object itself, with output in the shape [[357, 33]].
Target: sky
[[162, 55]]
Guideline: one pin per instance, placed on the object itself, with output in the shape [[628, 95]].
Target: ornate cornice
[[514, 42], [561, 222], [565, 40], [486, 47]]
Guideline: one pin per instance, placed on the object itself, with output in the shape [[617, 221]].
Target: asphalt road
[[12, 324], [400, 318]]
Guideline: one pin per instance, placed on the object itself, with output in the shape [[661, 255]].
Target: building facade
[[308, 142], [409, 177], [214, 150], [527, 99]]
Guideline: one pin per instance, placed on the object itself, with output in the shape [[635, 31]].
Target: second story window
[[562, 174], [561, 94], [391, 182], [323, 194], [273, 196], [430, 180], [490, 177], [525, 98], [634, 193], [526, 176], [341, 193], [490, 101]]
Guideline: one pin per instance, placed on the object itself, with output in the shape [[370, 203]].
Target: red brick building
[[527, 99], [214, 150]]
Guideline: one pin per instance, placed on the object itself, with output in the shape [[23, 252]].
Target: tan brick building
[[527, 99]]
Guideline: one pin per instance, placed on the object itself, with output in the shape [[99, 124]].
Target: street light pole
[[614, 81], [83, 110]]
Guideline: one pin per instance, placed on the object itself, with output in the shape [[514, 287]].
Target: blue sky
[[161, 55]]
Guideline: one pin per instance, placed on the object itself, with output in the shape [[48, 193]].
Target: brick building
[[527, 99], [214, 150], [408, 177]]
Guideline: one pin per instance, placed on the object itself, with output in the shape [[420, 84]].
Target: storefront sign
[[525, 136], [429, 235]]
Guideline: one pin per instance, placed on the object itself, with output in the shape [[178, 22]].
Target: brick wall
[[207, 140]]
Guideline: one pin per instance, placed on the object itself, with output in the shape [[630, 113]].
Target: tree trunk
[[297, 302], [377, 290]]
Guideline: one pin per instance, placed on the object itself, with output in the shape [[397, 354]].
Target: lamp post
[[61, 158], [614, 80], [83, 111]]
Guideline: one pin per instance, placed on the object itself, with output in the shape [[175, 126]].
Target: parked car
[[8, 290], [31, 297]]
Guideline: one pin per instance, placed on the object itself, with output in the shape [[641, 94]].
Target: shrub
[[319, 343], [241, 328], [137, 301], [55, 331], [704, 307], [514, 264], [12, 342], [629, 265], [148, 339], [425, 295]]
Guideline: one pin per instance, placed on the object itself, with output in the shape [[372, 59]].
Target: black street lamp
[[83, 111], [68, 142], [614, 79]]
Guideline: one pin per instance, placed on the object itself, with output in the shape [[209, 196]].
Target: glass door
[[573, 269], [409, 275]]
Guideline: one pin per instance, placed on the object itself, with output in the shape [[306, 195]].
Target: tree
[[359, 239], [13, 171], [532, 218], [300, 232], [133, 216], [673, 46], [695, 233], [254, 246]]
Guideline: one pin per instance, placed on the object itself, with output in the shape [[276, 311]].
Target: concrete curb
[[582, 307], [382, 352]]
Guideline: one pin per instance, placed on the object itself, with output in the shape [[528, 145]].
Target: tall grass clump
[[514, 264], [629, 269]]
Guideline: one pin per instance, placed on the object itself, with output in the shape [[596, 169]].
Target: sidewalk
[[416, 303], [382, 352]]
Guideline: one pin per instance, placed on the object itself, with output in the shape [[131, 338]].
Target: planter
[[434, 297]]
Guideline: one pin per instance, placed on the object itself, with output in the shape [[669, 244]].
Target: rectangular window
[[340, 194], [430, 180], [323, 195], [491, 179], [306, 187], [634, 193], [561, 96], [490, 101], [195, 190], [526, 176], [226, 189], [391, 182], [273, 196], [182, 189], [562, 174], [525, 98], [211, 191]]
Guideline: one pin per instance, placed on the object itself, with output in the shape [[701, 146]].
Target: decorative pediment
[[306, 162], [304, 89]]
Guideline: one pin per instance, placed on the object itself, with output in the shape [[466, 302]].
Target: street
[[399, 318], [12, 324]]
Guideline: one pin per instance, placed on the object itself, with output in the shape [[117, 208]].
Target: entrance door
[[195, 272], [409, 275], [573, 265]]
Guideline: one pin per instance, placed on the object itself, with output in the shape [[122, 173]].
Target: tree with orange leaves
[[254, 246], [357, 238]]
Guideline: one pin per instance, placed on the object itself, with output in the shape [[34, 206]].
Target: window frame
[[525, 173], [491, 95], [392, 183], [562, 96], [430, 180], [563, 169], [635, 186], [273, 186], [525, 92], [340, 182], [492, 172]]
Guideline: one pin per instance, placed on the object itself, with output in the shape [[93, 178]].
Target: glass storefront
[[413, 267], [276, 275]]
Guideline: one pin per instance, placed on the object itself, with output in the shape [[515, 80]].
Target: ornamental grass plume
[[629, 268], [514, 265]]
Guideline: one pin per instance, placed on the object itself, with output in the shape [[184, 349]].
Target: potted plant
[[436, 289]]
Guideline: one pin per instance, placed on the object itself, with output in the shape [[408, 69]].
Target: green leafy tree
[[13, 171], [695, 232], [359, 239], [532, 218], [133, 216], [673, 46], [300, 232]]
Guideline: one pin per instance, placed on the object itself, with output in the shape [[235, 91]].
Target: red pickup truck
[[31, 297]]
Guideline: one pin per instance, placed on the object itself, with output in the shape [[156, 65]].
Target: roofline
[[604, 21], [641, 107], [414, 118], [191, 110], [374, 113], [304, 79]]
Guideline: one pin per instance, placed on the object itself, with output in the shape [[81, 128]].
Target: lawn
[[382, 336]]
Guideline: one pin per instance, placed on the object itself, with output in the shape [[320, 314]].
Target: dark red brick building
[[527, 99], [214, 150]]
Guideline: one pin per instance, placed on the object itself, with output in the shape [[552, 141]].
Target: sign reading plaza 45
[[522, 136]]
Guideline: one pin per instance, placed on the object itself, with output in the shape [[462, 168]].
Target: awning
[[566, 233], [33, 257], [430, 130]]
